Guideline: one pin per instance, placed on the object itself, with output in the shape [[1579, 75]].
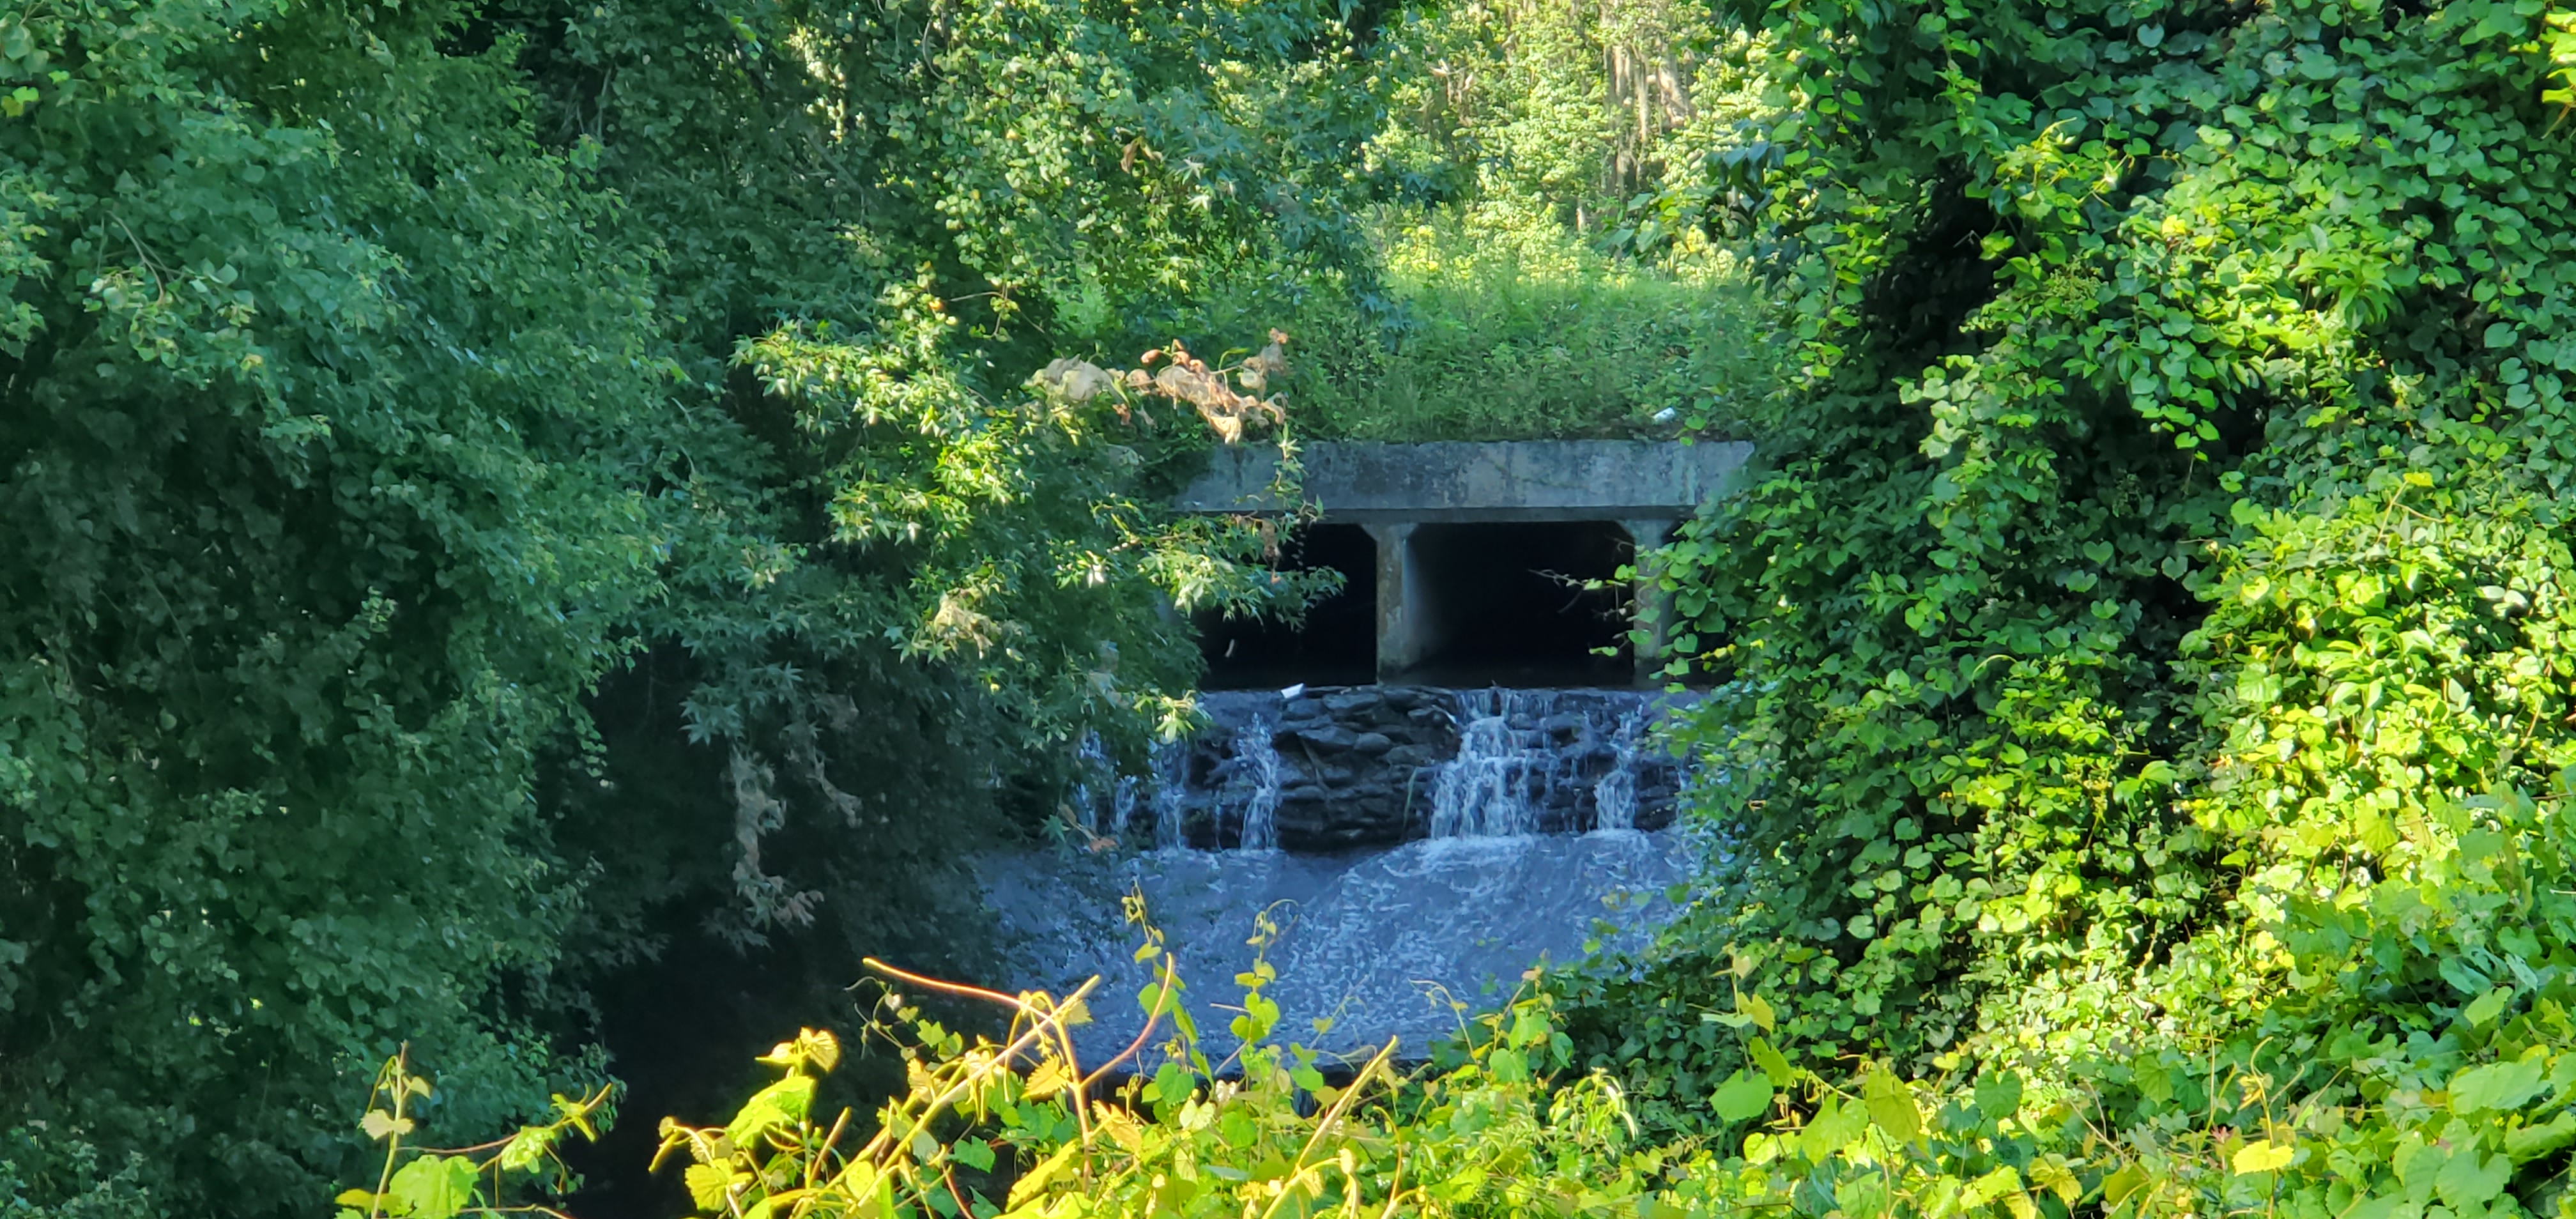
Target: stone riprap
[[1364, 766]]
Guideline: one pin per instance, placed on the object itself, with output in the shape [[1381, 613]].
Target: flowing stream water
[[1399, 940]]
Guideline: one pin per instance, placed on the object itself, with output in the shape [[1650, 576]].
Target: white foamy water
[[1396, 943], [1255, 787]]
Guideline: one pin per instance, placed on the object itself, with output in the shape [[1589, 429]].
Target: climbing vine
[[2166, 535]]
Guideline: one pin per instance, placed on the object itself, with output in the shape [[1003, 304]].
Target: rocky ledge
[[1363, 766]]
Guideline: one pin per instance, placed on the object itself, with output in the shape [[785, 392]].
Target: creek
[[1399, 855]]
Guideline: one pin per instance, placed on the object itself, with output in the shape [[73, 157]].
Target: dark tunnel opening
[[1337, 643], [1505, 604]]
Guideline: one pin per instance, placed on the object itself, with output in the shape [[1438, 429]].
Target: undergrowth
[[2371, 1086], [1508, 327]]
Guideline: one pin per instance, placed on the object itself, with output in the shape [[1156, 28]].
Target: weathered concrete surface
[[1461, 481]]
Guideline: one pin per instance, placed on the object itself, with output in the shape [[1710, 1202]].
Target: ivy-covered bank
[[2148, 651]]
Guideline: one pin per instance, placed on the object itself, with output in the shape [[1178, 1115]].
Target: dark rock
[[1412, 755], [1331, 738], [1372, 743]]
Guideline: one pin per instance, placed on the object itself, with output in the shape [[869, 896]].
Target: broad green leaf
[[2498, 1085], [1743, 1097], [2531, 1142], [1991, 1186], [2483, 1010], [780, 1104], [1035, 1182], [2262, 1155], [2471, 1179], [1891, 1105], [433, 1187], [709, 1185]]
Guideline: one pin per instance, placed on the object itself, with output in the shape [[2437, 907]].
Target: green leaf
[[2262, 1155], [2471, 1179], [434, 1187], [1035, 1182], [1769, 1060], [1743, 1097], [780, 1104], [1891, 1106], [527, 1148], [709, 1185], [2498, 1085]]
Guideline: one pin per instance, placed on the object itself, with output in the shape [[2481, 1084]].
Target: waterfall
[[1340, 768], [1171, 777], [1256, 780], [1614, 795], [1402, 837], [1122, 806], [1091, 761], [1513, 756], [1487, 791]]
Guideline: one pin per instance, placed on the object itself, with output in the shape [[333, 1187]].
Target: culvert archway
[[1335, 643], [1481, 551]]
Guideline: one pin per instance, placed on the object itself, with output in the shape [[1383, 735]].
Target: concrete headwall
[[1462, 481]]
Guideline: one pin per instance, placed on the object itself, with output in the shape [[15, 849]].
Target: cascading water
[[1257, 779], [1091, 762], [1487, 791], [1404, 839], [1171, 766], [1614, 794], [1122, 806], [1518, 750]]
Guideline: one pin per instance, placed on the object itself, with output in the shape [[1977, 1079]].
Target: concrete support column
[[1402, 613], [1650, 607]]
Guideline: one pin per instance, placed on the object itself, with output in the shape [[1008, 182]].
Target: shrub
[[1506, 327]]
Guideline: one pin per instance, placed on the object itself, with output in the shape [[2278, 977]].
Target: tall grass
[[1505, 326]]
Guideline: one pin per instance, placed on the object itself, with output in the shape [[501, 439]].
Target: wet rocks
[[1359, 766]]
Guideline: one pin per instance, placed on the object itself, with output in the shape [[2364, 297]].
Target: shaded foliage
[[2152, 605], [378, 382]]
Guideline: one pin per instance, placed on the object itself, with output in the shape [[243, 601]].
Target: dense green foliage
[[1522, 145], [530, 529], [505, 509], [324, 419], [1511, 328], [2156, 599]]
